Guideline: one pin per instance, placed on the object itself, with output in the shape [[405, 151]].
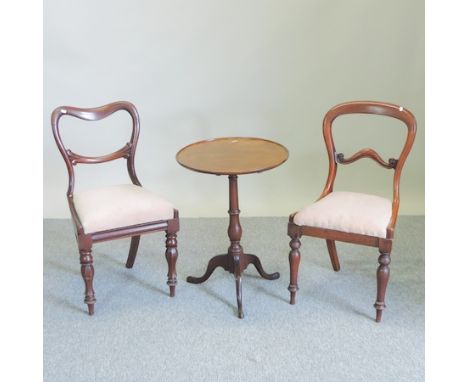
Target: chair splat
[[366, 153], [124, 152]]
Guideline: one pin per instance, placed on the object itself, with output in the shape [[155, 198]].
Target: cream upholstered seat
[[348, 212], [117, 206]]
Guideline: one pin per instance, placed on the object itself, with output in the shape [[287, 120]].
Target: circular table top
[[232, 156]]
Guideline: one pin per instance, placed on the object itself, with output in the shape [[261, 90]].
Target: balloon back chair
[[348, 216], [117, 211]]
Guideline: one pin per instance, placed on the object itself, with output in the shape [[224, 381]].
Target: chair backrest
[[95, 114], [377, 108]]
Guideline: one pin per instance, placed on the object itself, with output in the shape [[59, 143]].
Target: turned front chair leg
[[294, 259], [133, 251], [383, 274], [171, 257], [87, 271]]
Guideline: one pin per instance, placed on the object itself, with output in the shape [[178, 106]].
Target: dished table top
[[232, 155]]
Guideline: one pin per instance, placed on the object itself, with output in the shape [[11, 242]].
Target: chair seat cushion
[[348, 212], [119, 206]]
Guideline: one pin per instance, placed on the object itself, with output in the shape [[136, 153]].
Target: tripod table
[[232, 157]]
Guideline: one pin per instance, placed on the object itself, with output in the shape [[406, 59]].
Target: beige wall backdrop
[[210, 68]]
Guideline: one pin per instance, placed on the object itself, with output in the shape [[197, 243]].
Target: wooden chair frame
[[86, 240], [384, 245]]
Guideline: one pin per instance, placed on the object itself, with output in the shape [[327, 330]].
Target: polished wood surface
[[232, 155], [383, 244], [127, 152]]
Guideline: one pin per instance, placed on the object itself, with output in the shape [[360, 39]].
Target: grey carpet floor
[[138, 333]]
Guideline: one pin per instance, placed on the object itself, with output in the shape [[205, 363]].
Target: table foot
[[234, 264], [238, 275], [215, 262], [240, 312], [252, 259]]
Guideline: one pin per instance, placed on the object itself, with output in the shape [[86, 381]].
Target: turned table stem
[[235, 250], [234, 229]]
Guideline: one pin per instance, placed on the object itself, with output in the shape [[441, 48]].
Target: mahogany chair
[[118, 211], [348, 216]]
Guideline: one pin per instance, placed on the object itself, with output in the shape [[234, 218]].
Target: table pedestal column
[[235, 261]]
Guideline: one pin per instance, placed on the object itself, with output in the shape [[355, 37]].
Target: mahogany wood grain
[[383, 244], [87, 239], [232, 156]]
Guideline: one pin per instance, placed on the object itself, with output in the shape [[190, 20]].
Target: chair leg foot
[[378, 315], [87, 272], [294, 259], [383, 274], [171, 257], [292, 297]]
